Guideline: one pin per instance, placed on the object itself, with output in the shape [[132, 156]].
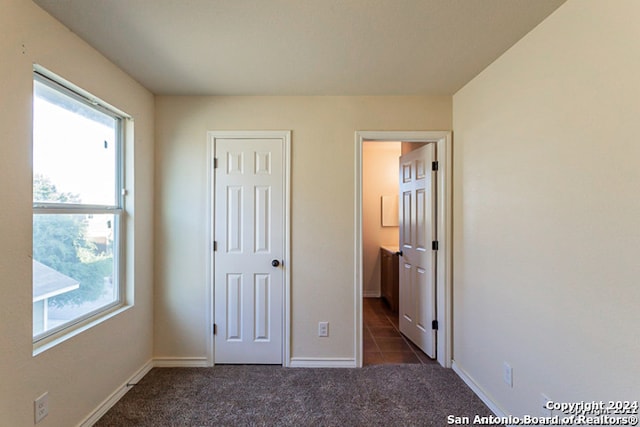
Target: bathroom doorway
[[377, 332]]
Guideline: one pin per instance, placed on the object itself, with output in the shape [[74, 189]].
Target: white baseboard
[[371, 294], [180, 362], [479, 391], [116, 395], [322, 362]]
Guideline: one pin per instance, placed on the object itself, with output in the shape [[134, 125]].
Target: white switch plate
[[507, 374], [323, 329], [41, 407]]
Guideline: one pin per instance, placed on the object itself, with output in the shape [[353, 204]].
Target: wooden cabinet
[[389, 277]]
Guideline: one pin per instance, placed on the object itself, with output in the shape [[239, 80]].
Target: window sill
[[70, 332]]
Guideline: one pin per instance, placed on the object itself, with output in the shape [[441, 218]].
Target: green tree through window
[[61, 242]]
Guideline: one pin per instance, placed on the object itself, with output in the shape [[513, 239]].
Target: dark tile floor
[[382, 341]]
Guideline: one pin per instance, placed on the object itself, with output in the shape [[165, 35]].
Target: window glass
[[77, 208], [74, 148]]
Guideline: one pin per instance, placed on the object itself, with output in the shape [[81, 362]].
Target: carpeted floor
[[251, 395]]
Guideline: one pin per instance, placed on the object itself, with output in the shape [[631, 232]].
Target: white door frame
[[444, 299], [285, 135]]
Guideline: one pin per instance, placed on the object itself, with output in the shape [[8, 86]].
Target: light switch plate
[[41, 407]]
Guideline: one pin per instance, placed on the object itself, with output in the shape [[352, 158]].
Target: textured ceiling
[[301, 47]]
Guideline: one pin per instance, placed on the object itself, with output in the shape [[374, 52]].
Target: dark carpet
[[241, 395]]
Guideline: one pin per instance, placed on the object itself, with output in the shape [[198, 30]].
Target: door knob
[[275, 263]]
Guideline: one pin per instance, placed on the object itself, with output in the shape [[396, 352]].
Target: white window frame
[[52, 336]]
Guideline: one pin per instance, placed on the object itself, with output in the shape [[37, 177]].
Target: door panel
[[406, 289], [406, 219], [263, 219], [234, 219], [417, 231], [234, 307], [249, 231], [263, 163], [262, 309], [421, 220]]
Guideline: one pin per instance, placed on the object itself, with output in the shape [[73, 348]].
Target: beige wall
[[83, 371], [547, 229], [379, 178], [322, 207]]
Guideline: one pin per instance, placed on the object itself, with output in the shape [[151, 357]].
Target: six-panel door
[[417, 263], [249, 234]]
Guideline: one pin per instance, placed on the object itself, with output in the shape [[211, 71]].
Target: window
[[78, 208]]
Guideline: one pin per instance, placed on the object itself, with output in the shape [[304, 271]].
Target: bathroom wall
[[379, 178]]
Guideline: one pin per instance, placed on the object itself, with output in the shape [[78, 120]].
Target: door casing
[[285, 136], [444, 300]]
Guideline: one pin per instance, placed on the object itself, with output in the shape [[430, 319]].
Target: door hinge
[[434, 245], [434, 325], [215, 162], [215, 246], [215, 329], [434, 166]]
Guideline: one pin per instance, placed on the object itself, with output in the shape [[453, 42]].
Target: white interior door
[[249, 230], [417, 263]]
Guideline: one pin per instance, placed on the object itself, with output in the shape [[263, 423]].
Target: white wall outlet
[[543, 406], [507, 374], [323, 329], [41, 406]]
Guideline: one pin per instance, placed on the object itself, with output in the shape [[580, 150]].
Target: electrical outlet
[[543, 402], [507, 374], [323, 329], [41, 407]]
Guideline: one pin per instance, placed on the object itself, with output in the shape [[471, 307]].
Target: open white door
[[418, 259], [249, 231]]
